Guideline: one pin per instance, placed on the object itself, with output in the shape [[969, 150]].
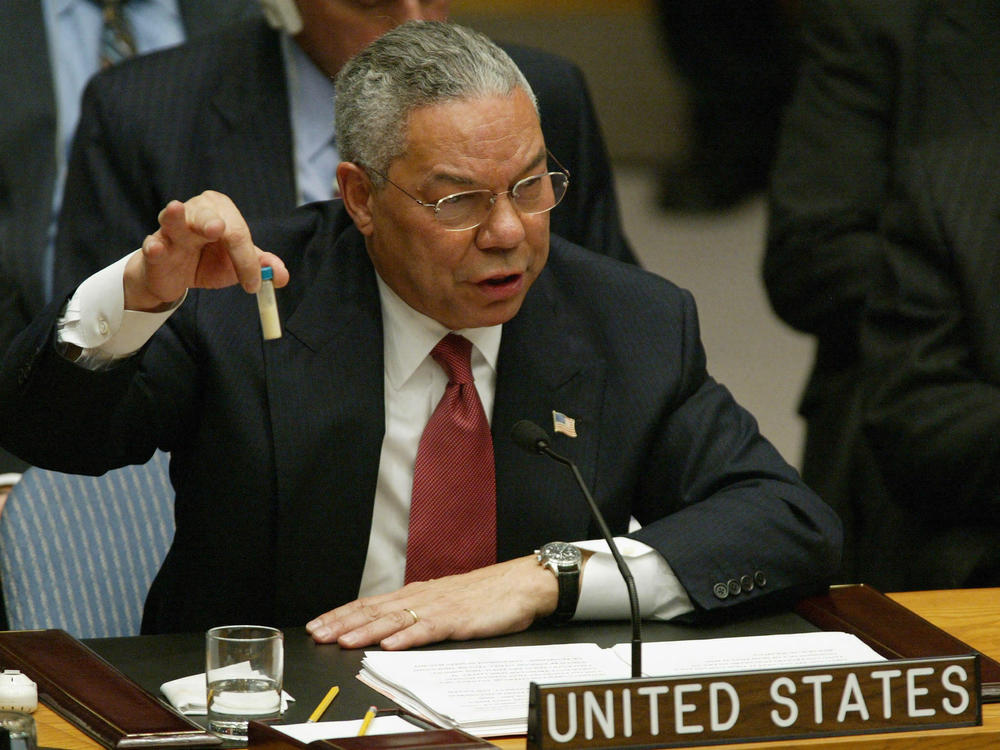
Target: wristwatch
[[563, 559]]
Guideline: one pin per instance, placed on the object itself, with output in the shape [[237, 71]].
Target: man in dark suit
[[875, 80], [222, 114], [931, 343], [293, 458], [878, 81], [29, 137]]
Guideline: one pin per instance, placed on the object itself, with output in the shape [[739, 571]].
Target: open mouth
[[500, 281], [502, 287]]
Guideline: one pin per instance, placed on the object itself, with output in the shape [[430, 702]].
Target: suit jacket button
[[734, 587], [760, 578], [720, 590], [746, 582]]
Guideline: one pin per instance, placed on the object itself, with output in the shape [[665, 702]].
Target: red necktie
[[453, 516]]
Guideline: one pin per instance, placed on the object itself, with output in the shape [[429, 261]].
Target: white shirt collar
[[410, 336]]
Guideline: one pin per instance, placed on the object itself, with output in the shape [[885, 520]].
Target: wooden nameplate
[[781, 704], [931, 680], [891, 629], [94, 696]]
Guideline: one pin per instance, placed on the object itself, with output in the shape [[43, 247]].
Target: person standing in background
[[856, 101], [49, 49], [884, 86]]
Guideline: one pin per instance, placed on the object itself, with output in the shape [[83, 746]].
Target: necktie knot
[[454, 354]]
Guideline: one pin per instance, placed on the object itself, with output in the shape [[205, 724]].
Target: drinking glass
[[20, 729], [243, 674]]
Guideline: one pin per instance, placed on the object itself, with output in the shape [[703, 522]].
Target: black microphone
[[532, 438]]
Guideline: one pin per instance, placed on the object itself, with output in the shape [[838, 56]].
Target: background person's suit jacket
[[28, 153], [878, 77], [931, 341], [27, 144]]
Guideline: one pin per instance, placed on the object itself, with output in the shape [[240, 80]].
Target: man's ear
[[356, 191]]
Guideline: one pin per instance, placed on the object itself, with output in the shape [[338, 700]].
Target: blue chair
[[79, 553]]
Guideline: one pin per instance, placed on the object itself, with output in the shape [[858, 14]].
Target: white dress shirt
[[95, 321]]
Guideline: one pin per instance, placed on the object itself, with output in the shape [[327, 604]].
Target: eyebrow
[[463, 181]]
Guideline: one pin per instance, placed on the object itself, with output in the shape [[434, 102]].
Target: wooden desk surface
[[973, 615]]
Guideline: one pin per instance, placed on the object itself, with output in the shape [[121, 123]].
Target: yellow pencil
[[324, 704], [367, 720]]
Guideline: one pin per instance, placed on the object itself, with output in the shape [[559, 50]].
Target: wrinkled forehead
[[491, 128]]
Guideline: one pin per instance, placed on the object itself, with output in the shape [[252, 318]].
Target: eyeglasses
[[466, 210]]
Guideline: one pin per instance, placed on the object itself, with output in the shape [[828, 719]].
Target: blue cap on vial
[[266, 273]]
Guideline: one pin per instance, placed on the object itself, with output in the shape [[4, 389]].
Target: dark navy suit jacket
[[275, 445]]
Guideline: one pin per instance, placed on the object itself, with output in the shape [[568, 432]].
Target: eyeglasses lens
[[532, 195]]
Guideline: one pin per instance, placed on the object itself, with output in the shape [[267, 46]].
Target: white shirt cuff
[[604, 596], [96, 320]]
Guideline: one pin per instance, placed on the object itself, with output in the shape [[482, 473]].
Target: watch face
[[561, 552]]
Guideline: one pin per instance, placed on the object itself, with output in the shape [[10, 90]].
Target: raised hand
[[201, 243]]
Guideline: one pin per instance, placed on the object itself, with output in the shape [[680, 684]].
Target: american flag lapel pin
[[562, 423]]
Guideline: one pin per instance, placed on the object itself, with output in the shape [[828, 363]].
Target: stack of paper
[[485, 690], [482, 690]]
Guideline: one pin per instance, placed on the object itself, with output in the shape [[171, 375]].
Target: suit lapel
[[26, 91], [546, 364], [325, 387], [249, 115], [196, 16], [199, 16]]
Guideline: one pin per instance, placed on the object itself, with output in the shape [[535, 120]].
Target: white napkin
[[188, 694]]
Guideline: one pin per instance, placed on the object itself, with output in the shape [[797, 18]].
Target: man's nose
[[503, 228]]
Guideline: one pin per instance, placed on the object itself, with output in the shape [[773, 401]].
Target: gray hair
[[417, 64]]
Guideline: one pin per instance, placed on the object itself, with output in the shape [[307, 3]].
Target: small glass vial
[[268, 306]]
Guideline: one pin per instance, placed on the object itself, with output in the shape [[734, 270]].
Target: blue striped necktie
[[116, 39]]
